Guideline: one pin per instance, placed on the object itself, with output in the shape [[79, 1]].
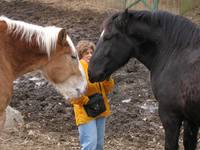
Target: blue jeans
[[92, 134]]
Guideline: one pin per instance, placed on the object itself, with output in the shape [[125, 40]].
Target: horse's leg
[[4, 101], [171, 124], [2, 119], [5, 96], [190, 135]]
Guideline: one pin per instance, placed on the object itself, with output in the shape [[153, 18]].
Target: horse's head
[[113, 49], [124, 36], [63, 68], [28, 46]]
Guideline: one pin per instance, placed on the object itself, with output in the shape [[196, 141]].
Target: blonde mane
[[46, 37]]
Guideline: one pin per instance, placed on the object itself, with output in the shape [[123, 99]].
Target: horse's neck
[[21, 56], [155, 58], [148, 53], [170, 39]]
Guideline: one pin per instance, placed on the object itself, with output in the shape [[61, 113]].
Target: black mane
[[180, 31]]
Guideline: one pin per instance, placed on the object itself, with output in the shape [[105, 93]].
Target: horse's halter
[[74, 54]]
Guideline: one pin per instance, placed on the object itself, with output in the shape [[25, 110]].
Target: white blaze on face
[[75, 85], [102, 33]]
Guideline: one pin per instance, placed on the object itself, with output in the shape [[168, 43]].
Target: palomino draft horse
[[26, 47], [169, 46]]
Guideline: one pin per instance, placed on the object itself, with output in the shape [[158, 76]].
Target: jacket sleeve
[[108, 85], [79, 101]]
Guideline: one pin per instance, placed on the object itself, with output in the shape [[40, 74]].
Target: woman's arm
[[80, 101], [108, 85]]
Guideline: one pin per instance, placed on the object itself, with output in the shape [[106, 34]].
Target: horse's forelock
[[46, 37]]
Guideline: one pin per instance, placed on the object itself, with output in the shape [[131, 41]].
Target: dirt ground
[[49, 122]]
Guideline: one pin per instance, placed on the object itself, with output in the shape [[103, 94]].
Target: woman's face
[[87, 55]]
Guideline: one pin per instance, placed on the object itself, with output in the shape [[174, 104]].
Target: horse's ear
[[62, 37], [122, 19], [3, 26], [125, 14]]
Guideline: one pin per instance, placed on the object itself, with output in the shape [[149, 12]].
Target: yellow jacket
[[92, 88]]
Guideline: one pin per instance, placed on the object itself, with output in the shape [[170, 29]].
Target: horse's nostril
[[78, 91], [89, 73]]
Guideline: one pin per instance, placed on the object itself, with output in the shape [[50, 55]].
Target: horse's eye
[[107, 37], [73, 57]]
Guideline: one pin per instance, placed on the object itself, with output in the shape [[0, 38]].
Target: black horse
[[169, 46]]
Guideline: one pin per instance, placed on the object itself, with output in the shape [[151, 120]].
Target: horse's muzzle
[[96, 76]]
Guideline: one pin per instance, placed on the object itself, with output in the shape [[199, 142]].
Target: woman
[[91, 129]]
